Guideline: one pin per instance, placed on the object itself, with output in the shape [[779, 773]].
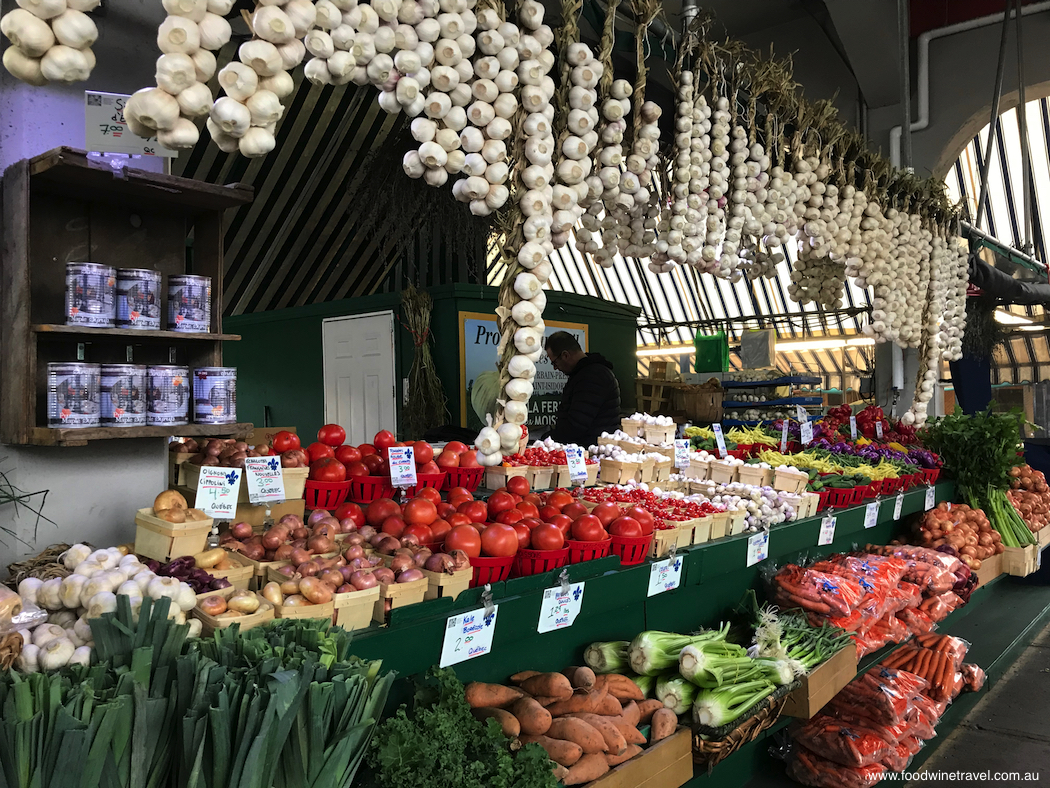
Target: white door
[[359, 374]]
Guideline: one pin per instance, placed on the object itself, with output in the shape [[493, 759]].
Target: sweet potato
[[580, 732], [580, 678], [507, 721], [535, 720], [517, 678], [631, 714], [589, 767], [543, 700], [620, 687], [609, 707], [560, 751], [630, 752], [630, 733], [550, 685], [646, 709], [663, 724], [613, 738], [495, 696], [583, 702]]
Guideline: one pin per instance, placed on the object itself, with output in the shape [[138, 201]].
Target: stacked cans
[[215, 395], [90, 295], [138, 298], [167, 396], [73, 394], [123, 395], [189, 303]]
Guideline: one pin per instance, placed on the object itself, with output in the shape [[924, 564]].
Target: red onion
[[320, 544], [253, 551], [330, 521], [460, 560], [374, 560], [269, 555], [316, 515], [354, 538], [225, 537], [291, 521], [326, 530], [399, 563], [283, 553], [409, 575], [345, 589], [332, 577], [347, 526], [422, 556], [346, 571], [299, 556], [354, 551], [363, 580], [383, 575], [440, 562], [410, 540], [241, 530], [298, 543], [367, 532], [309, 568], [360, 563], [387, 545], [301, 533], [287, 570]]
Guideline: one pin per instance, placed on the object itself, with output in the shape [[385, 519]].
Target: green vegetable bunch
[[977, 450]]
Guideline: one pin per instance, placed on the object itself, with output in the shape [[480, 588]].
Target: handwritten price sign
[[217, 490], [468, 635], [106, 130], [576, 463], [265, 479], [402, 461], [665, 575], [559, 609]]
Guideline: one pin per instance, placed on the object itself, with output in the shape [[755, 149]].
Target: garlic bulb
[[271, 24], [488, 441], [178, 34], [182, 136], [516, 412], [238, 80], [23, 67], [256, 142], [204, 63], [175, 73], [30, 587], [56, 654], [264, 107], [74, 29], [64, 64], [28, 660], [263, 58], [194, 10], [231, 116], [196, 100]]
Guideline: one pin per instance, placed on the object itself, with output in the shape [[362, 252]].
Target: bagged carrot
[[848, 745], [973, 677], [810, 769]]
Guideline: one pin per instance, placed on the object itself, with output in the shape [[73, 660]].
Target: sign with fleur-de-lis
[[665, 575], [560, 607], [217, 490], [265, 479]]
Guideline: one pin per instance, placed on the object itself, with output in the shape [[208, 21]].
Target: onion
[[300, 556], [440, 562], [320, 544], [287, 570], [212, 605], [314, 590], [272, 593], [332, 577], [399, 563], [345, 572], [225, 537], [291, 522], [295, 600], [410, 540], [374, 560], [241, 531], [363, 580], [422, 556], [387, 545], [354, 551], [376, 538], [360, 563], [383, 575], [367, 532], [326, 530], [244, 602], [330, 521], [317, 515], [290, 586], [301, 533], [309, 568], [219, 583], [273, 539], [299, 543], [409, 575], [268, 555], [460, 560], [232, 544], [283, 553], [345, 589], [347, 526], [253, 551]]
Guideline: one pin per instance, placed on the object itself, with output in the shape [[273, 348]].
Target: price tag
[[878, 430], [665, 575], [558, 609], [757, 547], [853, 427], [931, 497], [807, 432], [402, 461], [871, 515], [106, 130], [827, 530], [217, 490], [468, 635], [898, 506], [802, 415], [784, 437], [681, 453], [720, 440], [265, 479], [577, 467]]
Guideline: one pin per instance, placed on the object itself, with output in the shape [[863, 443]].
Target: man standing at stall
[[590, 401]]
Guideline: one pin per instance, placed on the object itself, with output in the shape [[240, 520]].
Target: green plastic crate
[[712, 352]]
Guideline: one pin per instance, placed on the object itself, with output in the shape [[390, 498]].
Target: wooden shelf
[[57, 436], [132, 333]]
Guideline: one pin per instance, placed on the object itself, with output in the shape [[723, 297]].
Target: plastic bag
[[918, 723], [845, 744], [901, 754], [954, 647], [881, 695], [29, 617], [903, 595], [816, 592], [938, 607], [973, 677], [918, 623], [810, 769], [929, 711], [869, 642]]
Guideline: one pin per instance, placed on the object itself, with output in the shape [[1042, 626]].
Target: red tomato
[[529, 509], [548, 511], [588, 528], [575, 510], [509, 517], [532, 522], [445, 509], [477, 511], [350, 511], [523, 532], [285, 441], [625, 526], [379, 510], [457, 492], [456, 447], [348, 454], [534, 498], [559, 498], [499, 502], [424, 452], [430, 467], [331, 435], [384, 439], [606, 512], [468, 459], [518, 485], [366, 449], [479, 527], [430, 493], [420, 511], [374, 463], [319, 451], [422, 532], [328, 469], [643, 516], [563, 522], [439, 528], [459, 518], [448, 459], [467, 539], [395, 526], [547, 536], [499, 540], [357, 469]]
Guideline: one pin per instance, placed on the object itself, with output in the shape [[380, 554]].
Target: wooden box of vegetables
[[394, 595], [822, 684], [251, 610], [666, 764], [294, 482], [162, 540], [354, 610], [442, 584], [1020, 561], [230, 566]]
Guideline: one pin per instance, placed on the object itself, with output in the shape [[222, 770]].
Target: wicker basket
[[710, 750]]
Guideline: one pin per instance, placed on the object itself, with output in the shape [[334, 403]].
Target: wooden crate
[[990, 569], [400, 595], [632, 427], [177, 468], [240, 576], [294, 482], [721, 472], [441, 584], [658, 370], [354, 610], [822, 684], [209, 624], [1042, 537], [327, 610], [161, 540], [653, 397], [754, 475], [1020, 561], [666, 764], [790, 481], [699, 403]]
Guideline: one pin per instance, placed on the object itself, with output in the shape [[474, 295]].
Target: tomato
[[350, 511], [606, 512], [456, 447], [518, 485], [563, 522], [459, 518], [384, 439], [430, 467], [625, 526], [548, 511], [509, 517], [457, 492], [439, 528], [420, 511], [559, 498], [379, 510], [374, 463], [479, 527], [424, 452], [499, 540], [421, 532], [468, 459], [348, 454], [534, 498], [319, 451], [285, 441], [575, 510], [588, 528], [532, 522], [475, 510], [445, 509], [529, 509], [499, 502], [331, 435], [467, 539], [547, 536], [448, 459], [366, 449], [523, 532], [430, 493], [643, 516], [395, 526], [328, 469]]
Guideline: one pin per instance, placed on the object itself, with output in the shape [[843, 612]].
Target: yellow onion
[[314, 590], [272, 593], [244, 602], [212, 605]]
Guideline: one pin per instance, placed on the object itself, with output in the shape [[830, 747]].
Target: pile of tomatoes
[[541, 458], [675, 509]]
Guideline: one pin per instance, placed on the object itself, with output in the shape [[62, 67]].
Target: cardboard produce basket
[[990, 569], [790, 481], [822, 684], [255, 513], [158, 539], [646, 470], [655, 434], [240, 576], [721, 472], [662, 470], [1020, 561], [650, 449], [209, 624], [754, 475], [177, 467], [497, 476], [326, 610], [617, 471], [354, 610], [698, 469], [540, 476], [631, 426], [400, 595], [441, 584], [702, 529]]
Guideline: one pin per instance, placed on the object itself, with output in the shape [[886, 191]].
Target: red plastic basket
[[823, 502], [839, 497], [891, 486], [490, 570], [435, 480], [533, 562], [929, 475], [631, 549], [469, 478], [325, 495], [588, 551], [365, 489]]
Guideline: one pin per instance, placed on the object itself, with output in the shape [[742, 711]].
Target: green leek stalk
[[717, 707], [675, 693], [652, 652], [607, 656], [645, 683]]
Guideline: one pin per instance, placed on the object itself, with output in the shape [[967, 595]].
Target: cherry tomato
[[331, 435], [285, 441], [328, 469], [499, 540], [467, 539], [588, 528], [547, 536]]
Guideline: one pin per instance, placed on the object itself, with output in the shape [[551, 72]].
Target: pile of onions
[[240, 603], [289, 539]]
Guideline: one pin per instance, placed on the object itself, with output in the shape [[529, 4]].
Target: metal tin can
[[189, 303], [167, 395], [90, 295], [138, 298], [215, 395], [123, 395], [72, 394]]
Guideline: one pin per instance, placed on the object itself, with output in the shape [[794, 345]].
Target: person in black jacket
[[590, 401]]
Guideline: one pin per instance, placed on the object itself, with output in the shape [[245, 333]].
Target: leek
[[707, 663], [716, 707], [675, 693], [653, 652], [609, 656], [645, 683]]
